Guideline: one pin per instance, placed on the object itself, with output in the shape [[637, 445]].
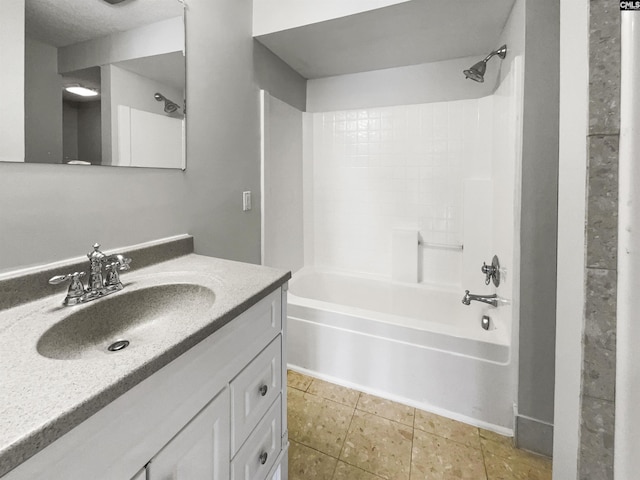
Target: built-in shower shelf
[[441, 245]]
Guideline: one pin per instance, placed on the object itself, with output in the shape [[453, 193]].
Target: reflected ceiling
[[65, 22]]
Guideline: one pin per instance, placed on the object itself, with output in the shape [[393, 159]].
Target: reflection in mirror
[[81, 119], [104, 84]]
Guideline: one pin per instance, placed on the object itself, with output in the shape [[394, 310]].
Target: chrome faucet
[[104, 277], [488, 299]]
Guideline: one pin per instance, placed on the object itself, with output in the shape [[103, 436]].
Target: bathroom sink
[[124, 321]]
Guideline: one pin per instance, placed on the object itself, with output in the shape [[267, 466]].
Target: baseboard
[[534, 435]]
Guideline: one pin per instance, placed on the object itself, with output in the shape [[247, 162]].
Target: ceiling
[[65, 22], [410, 33], [88, 77]]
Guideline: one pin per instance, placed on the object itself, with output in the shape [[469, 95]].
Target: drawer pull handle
[[263, 458], [263, 391]]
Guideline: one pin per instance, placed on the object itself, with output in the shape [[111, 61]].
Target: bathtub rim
[[500, 337]]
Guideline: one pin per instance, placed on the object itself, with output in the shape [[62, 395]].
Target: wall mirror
[[104, 82]]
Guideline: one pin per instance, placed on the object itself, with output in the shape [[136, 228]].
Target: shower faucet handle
[[488, 271], [492, 271]]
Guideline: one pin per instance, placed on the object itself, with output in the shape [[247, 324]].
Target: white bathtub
[[408, 343]]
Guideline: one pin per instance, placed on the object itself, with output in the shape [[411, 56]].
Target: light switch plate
[[246, 201]]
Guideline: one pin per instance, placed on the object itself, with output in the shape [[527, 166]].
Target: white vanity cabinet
[[200, 450], [217, 412]]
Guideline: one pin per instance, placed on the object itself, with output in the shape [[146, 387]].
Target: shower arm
[[488, 57], [501, 52]]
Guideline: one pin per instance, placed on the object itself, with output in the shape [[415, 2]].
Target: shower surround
[[450, 171], [378, 169]]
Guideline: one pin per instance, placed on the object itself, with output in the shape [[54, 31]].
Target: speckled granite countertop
[[41, 398]]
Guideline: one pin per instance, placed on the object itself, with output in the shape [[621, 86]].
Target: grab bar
[[441, 245]]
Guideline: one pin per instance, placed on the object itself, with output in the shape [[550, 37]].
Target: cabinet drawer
[[253, 391], [262, 319], [258, 454]]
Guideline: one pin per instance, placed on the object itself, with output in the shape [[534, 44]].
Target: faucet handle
[[120, 262], [76, 289], [69, 276]]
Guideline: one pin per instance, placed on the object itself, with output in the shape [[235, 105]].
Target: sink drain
[[119, 345]]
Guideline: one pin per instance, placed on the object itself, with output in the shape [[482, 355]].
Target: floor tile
[[379, 446], [386, 408], [436, 458], [344, 471], [330, 391], [496, 437], [317, 422], [308, 464], [298, 380], [507, 451], [447, 428], [295, 401], [377, 440], [499, 468]]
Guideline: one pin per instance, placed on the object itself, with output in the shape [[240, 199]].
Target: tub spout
[[488, 299]]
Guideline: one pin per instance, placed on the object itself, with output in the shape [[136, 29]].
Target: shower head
[[169, 106], [476, 72]]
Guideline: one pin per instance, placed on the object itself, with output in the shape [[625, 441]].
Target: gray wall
[[69, 131], [165, 36], [278, 78], [539, 227], [283, 197], [90, 132], [42, 103], [51, 212]]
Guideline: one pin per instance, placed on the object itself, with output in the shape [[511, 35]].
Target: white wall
[[282, 235], [275, 15], [157, 38], [425, 83], [42, 103], [223, 144], [12, 81], [574, 103]]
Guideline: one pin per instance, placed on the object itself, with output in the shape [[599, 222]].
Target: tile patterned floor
[[342, 434]]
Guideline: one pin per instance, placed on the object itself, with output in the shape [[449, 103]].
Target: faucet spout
[[488, 299], [104, 277]]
